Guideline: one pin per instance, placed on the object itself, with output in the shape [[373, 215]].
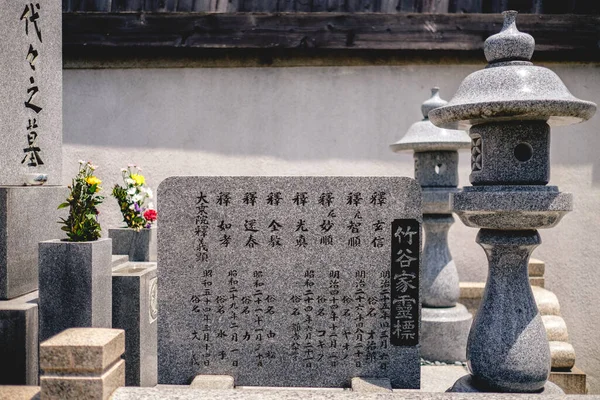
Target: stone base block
[[134, 310], [563, 355], [57, 387], [28, 215], [222, 382], [467, 384], [20, 392], [444, 333], [19, 341], [75, 285], [139, 246], [571, 382], [371, 385]]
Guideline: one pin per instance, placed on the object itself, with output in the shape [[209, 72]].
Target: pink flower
[[150, 215]]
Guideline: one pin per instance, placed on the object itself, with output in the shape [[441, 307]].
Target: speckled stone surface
[[439, 281], [467, 384], [119, 260], [139, 246], [536, 267], [437, 200], [511, 88], [192, 394], [22, 209], [287, 298], [424, 136], [507, 347], [75, 285], [516, 153], [563, 355], [511, 207], [101, 387], [214, 382], [371, 385], [546, 301], [36, 78], [82, 350], [19, 341], [19, 392], [556, 328], [444, 333], [436, 168], [509, 43], [134, 309]]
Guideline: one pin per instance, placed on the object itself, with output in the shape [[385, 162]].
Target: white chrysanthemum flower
[[149, 192], [131, 207], [136, 198], [151, 205], [131, 191], [129, 181]]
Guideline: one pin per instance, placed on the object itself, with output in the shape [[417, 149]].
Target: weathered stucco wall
[[327, 121]]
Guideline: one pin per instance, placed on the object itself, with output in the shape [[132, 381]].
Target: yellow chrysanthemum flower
[[139, 179], [92, 180]]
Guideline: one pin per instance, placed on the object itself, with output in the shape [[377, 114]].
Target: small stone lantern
[[445, 323], [509, 107]]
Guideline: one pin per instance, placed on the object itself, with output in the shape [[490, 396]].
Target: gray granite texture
[[467, 384], [28, 215], [444, 333], [193, 394], [439, 280], [139, 246], [437, 200], [31, 101], [290, 282], [436, 168], [509, 93], [214, 382], [511, 88], [509, 44], [516, 153], [511, 207], [19, 341], [75, 285], [134, 309], [507, 348], [424, 136]]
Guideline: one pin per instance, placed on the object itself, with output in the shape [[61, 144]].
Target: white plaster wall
[[327, 121]]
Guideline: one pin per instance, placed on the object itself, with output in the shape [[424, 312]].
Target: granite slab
[[289, 281], [31, 101]]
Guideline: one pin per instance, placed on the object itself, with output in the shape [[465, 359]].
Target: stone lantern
[[509, 107], [445, 323]]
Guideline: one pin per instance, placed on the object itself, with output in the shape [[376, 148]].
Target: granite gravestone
[[289, 281], [31, 100]]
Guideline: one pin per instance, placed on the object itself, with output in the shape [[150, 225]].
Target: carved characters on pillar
[[31, 16]]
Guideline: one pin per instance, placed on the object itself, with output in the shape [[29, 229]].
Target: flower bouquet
[[82, 223], [133, 198]]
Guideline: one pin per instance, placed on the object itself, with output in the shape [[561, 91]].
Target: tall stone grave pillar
[[444, 323], [31, 154], [509, 107]]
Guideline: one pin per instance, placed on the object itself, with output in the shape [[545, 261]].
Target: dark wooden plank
[[370, 31], [89, 5], [127, 5], [465, 6], [433, 6], [160, 5]]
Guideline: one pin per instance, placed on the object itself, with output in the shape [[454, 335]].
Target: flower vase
[[138, 245], [75, 285]]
